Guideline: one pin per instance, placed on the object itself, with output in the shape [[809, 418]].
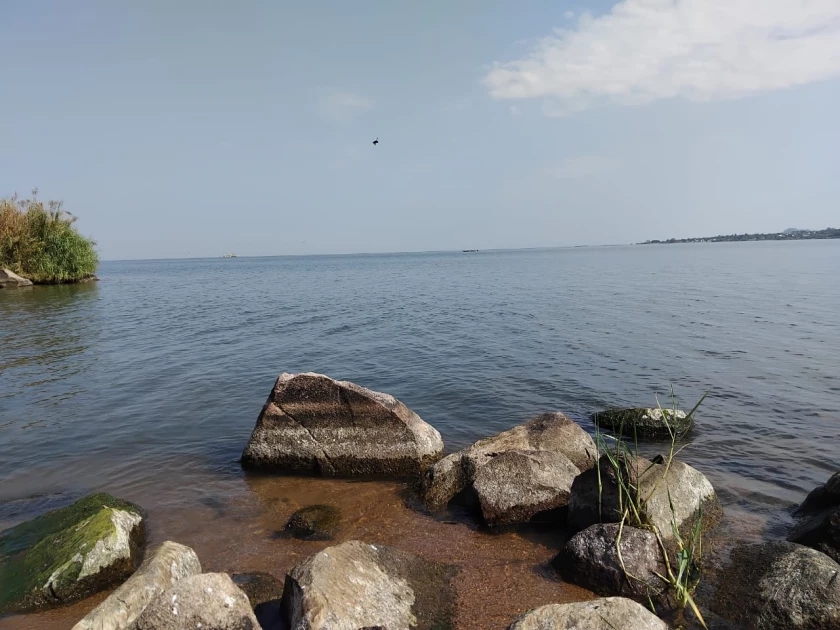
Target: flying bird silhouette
[[375, 142]]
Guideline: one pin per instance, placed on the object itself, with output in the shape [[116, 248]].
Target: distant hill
[[791, 234]]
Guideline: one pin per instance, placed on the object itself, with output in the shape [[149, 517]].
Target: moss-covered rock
[[70, 553], [314, 522], [650, 423]]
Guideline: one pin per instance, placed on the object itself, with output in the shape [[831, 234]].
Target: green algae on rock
[[314, 522], [70, 553]]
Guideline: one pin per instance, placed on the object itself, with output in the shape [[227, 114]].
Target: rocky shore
[[629, 526]]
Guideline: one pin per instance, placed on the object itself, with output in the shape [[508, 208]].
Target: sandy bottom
[[233, 525]]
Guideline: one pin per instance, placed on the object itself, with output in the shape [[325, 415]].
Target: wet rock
[[10, 279], [818, 523], [531, 475], [160, 570], [313, 424], [70, 553], [645, 422], [208, 601], [780, 586], [590, 559], [356, 585], [593, 500], [514, 486], [609, 613], [264, 592], [314, 522]]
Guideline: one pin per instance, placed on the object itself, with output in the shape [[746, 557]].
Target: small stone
[[314, 522]]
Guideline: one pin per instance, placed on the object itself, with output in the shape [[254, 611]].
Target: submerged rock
[[9, 278], [314, 424], [645, 422], [819, 519], [610, 613], [590, 559], [209, 601], [516, 473], [597, 498], [780, 585], [165, 566], [314, 522], [356, 585], [70, 553]]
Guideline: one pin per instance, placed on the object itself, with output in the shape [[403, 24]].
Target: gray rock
[[610, 613], [264, 592], [10, 279], [160, 570], [514, 486], [780, 586], [70, 553], [590, 559], [818, 523], [355, 585], [314, 522], [316, 425], [548, 433], [688, 488], [210, 601], [645, 422]]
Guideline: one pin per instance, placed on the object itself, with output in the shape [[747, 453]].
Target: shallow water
[[148, 383]]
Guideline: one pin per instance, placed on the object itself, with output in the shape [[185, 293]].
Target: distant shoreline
[[787, 235]]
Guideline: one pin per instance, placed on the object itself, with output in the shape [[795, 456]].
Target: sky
[[198, 128]]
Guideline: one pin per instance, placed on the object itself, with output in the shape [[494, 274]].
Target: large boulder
[[535, 462], [818, 523], [70, 553], [9, 278], [780, 586], [316, 425], [160, 570], [645, 422], [357, 585], [210, 601], [610, 613], [598, 497], [591, 559]]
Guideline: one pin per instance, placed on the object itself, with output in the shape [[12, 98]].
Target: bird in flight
[[375, 142]]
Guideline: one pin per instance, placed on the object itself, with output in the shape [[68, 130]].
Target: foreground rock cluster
[[547, 469]]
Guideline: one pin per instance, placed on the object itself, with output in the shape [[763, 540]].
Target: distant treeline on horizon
[[787, 235]]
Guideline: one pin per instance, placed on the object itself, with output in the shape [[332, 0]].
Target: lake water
[[148, 383]]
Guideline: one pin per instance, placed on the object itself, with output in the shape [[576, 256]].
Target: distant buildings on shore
[[790, 234]]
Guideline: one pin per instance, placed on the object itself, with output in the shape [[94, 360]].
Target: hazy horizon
[[190, 130]]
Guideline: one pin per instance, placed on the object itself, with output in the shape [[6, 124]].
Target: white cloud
[[341, 105], [514, 110], [701, 50], [569, 15], [580, 166]]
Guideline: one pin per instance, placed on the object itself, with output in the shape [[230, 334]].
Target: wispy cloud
[[514, 111], [701, 50], [580, 166], [343, 105]]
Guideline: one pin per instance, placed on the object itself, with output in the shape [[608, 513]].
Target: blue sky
[[198, 128]]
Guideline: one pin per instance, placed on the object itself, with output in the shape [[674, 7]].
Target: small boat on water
[[467, 251], [228, 255]]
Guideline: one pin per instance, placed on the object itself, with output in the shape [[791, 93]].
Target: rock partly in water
[[207, 601], [264, 592], [818, 523], [160, 570], [645, 422], [780, 586], [610, 613], [590, 559], [594, 500], [10, 279], [313, 424], [314, 522], [535, 461], [70, 553], [357, 585]]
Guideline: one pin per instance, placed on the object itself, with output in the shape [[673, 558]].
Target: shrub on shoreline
[[38, 241]]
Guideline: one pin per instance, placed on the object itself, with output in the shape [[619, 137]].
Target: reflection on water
[[148, 384]]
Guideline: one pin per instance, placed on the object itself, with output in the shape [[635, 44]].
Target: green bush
[[39, 242]]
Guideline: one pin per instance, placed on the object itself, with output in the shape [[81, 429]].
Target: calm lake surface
[[148, 383]]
